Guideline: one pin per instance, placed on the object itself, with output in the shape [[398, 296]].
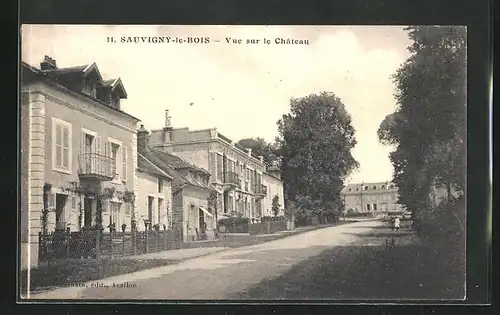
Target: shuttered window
[[61, 138], [114, 152], [124, 164]]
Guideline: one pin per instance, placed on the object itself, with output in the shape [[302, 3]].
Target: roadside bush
[[233, 221], [358, 215], [268, 218]]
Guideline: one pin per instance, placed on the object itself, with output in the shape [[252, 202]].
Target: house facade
[[78, 151], [190, 188], [153, 196], [274, 188], [380, 197], [235, 172]]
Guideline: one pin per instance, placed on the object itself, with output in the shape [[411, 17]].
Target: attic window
[[89, 87], [115, 100], [374, 187]]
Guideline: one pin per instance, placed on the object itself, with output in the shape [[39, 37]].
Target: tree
[[262, 148], [428, 126], [275, 205], [315, 142]]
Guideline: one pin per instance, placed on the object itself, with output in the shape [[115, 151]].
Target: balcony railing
[[230, 178], [260, 189], [96, 166]]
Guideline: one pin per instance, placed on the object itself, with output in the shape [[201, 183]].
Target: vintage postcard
[[240, 163]]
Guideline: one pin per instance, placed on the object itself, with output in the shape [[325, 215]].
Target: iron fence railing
[[96, 165]]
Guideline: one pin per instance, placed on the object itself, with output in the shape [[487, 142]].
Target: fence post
[[98, 247], [111, 243], [123, 243], [68, 240], [165, 236], [147, 241], [135, 242], [156, 240], [40, 245]]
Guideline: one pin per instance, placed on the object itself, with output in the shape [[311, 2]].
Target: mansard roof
[[63, 77]]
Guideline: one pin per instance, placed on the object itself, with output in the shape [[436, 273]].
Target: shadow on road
[[367, 273], [382, 234]]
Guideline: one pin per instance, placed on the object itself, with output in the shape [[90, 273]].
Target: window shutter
[[118, 163], [97, 148], [124, 163], [73, 203], [58, 141], [82, 142], [65, 146]]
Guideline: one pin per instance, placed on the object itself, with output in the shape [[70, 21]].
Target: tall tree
[[315, 142], [261, 147], [428, 127]]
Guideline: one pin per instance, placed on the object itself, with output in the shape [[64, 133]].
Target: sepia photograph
[[242, 163]]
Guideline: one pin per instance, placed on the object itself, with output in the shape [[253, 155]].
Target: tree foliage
[[275, 206], [262, 148], [428, 128], [315, 142]]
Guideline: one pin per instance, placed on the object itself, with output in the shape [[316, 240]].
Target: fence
[[96, 244], [267, 227]]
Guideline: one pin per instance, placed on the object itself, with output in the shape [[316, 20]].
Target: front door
[[201, 216], [87, 211], [150, 210], [60, 213]]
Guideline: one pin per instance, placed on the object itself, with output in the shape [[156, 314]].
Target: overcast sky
[[244, 89]]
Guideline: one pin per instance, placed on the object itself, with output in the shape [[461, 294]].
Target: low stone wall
[[268, 227]]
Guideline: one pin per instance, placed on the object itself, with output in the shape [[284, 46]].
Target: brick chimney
[[261, 159], [48, 64], [249, 152], [168, 122], [142, 138]]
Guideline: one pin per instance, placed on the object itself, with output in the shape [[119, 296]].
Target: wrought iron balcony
[[230, 178], [96, 166], [260, 189]]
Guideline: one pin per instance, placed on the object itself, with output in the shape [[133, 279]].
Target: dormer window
[[115, 101], [89, 87]]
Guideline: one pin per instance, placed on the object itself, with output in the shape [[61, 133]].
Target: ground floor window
[[160, 210], [115, 215]]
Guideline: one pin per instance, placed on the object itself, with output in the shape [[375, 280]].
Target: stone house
[[191, 190], [274, 187], [153, 194], [235, 172], [78, 151], [379, 197]]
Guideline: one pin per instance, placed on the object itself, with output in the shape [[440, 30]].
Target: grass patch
[[363, 272], [72, 272]]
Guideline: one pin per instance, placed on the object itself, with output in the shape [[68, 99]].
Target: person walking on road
[[396, 223]]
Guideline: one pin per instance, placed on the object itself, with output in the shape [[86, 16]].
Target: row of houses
[[84, 161]]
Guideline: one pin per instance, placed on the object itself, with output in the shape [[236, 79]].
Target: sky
[[241, 89]]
